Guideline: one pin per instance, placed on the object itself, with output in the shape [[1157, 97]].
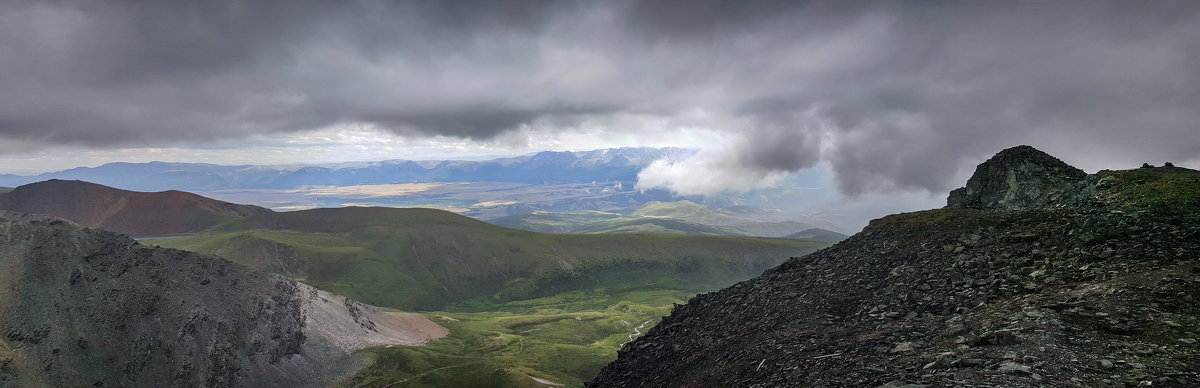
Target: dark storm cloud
[[113, 73], [891, 95]]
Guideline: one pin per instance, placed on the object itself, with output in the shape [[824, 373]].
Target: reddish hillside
[[129, 212]]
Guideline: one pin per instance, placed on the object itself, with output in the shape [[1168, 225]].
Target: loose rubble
[[1095, 287]]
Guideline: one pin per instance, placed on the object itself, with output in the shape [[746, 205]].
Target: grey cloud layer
[[893, 96]]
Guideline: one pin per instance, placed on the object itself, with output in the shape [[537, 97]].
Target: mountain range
[[605, 165], [282, 304], [598, 180], [403, 258], [1035, 272]]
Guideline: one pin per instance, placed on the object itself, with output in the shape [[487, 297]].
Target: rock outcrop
[[83, 307], [1021, 177], [1015, 285]]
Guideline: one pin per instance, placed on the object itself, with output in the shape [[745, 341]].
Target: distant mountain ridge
[[122, 211], [605, 165], [407, 258], [403, 257]]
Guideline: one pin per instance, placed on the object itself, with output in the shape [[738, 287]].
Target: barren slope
[[127, 212]]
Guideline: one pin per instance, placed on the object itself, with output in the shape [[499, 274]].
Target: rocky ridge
[[1035, 275], [83, 307]]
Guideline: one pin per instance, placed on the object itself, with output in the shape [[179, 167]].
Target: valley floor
[[561, 340]]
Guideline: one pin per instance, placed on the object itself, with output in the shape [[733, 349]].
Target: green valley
[[520, 306], [563, 339], [427, 259]]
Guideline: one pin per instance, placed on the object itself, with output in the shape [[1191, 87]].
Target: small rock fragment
[[1014, 368], [904, 347]]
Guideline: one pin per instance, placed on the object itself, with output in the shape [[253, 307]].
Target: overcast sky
[[892, 96]]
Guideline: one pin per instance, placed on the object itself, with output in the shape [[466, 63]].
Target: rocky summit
[[1019, 178], [1036, 274]]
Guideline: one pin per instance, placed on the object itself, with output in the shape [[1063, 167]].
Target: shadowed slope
[[84, 307]]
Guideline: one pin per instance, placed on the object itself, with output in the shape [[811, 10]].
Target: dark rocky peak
[[1020, 177]]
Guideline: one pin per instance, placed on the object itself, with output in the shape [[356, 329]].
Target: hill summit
[[133, 213], [1036, 274], [1018, 178]]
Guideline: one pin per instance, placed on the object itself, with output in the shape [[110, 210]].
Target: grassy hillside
[[427, 259], [679, 217], [1157, 190]]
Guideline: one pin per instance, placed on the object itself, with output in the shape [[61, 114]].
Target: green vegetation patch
[[1160, 190], [565, 339]]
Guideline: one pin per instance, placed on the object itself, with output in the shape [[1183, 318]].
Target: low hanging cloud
[[740, 163], [892, 96], [707, 172]]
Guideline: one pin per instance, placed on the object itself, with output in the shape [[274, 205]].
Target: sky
[[893, 97]]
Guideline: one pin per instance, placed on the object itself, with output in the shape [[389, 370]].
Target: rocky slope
[[128, 212], [83, 307], [1035, 275]]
